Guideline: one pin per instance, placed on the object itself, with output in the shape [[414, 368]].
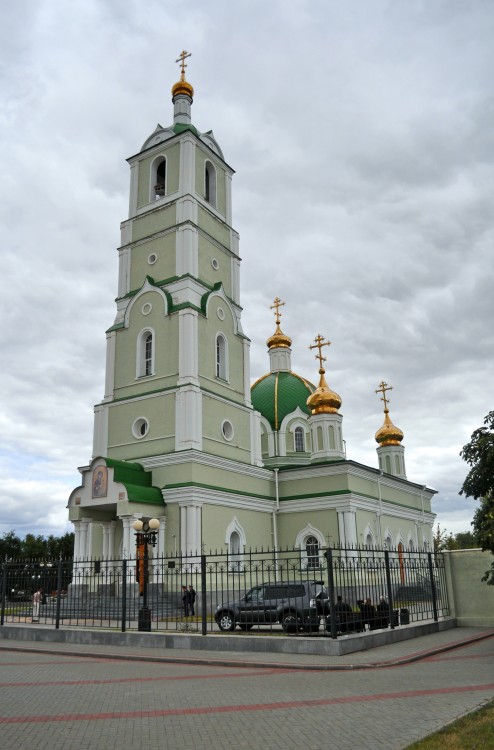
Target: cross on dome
[[319, 345], [276, 306], [181, 59], [383, 387]]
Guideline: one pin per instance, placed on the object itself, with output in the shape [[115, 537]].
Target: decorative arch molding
[[235, 540], [296, 418], [218, 291], [310, 558], [369, 537], [388, 538], [148, 286], [234, 526], [269, 435]]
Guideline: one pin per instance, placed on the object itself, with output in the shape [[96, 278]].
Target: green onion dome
[[279, 393]]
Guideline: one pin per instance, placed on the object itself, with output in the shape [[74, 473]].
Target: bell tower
[[177, 365]]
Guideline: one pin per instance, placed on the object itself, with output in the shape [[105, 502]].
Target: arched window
[[145, 354], [210, 183], [299, 440], [160, 182], [312, 551], [221, 357]]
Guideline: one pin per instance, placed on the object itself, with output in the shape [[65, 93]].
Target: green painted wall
[[155, 221], [159, 410], [172, 154], [208, 328], [207, 251], [201, 159], [289, 526], [212, 226], [214, 412], [216, 519], [163, 268]]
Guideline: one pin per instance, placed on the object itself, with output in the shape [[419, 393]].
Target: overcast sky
[[362, 138]]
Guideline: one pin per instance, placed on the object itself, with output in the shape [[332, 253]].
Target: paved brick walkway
[[381, 700]]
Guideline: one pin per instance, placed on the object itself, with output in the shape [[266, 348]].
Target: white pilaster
[[187, 167], [228, 198], [246, 350], [100, 434], [187, 251], [134, 172], [111, 338], [188, 418], [188, 360]]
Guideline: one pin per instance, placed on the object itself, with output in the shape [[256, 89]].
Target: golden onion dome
[[278, 340], [388, 434], [324, 400], [182, 87]]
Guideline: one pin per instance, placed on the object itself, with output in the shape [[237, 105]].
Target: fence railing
[[331, 592]]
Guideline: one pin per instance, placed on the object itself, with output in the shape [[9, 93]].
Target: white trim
[[153, 176], [141, 359]]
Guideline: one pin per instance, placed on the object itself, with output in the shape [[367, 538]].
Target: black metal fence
[[333, 592]]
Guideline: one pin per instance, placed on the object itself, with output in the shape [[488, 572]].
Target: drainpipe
[[275, 521], [380, 508]]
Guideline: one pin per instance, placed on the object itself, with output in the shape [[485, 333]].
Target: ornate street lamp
[[146, 533]]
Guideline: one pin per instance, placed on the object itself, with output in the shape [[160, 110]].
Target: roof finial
[[388, 434], [319, 345], [278, 340], [383, 387], [181, 59], [183, 87], [323, 400]]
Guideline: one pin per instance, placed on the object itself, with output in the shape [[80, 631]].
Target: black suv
[[296, 606]]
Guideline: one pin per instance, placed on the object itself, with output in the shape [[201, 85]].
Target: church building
[[181, 435]]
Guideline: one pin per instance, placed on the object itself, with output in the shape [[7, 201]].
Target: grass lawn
[[472, 732]]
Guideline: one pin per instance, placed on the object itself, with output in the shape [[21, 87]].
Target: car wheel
[[245, 625], [225, 621], [290, 622]]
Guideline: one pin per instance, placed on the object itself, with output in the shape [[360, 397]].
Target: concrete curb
[[7, 635]]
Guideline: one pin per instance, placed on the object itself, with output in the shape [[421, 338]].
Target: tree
[[479, 484]]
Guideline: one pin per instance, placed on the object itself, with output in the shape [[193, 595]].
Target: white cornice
[[356, 470], [205, 496]]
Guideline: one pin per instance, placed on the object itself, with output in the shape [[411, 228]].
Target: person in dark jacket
[[192, 599], [382, 613], [368, 613], [185, 601]]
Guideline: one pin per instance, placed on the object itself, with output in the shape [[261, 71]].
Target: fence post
[[389, 588], [433, 586], [124, 594], [59, 595], [203, 596], [332, 611], [4, 591]]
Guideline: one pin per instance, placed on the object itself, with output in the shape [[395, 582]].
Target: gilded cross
[[277, 304], [181, 59], [319, 345], [383, 387]]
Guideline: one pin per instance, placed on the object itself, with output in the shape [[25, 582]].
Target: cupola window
[[299, 440], [210, 183]]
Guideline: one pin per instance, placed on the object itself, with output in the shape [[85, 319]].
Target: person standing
[[192, 599], [37, 597], [185, 600]]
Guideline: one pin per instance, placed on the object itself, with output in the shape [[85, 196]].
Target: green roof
[[279, 393], [136, 481]]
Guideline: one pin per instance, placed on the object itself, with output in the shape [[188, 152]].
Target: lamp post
[[146, 532]]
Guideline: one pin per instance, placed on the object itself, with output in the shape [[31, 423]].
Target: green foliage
[[36, 547], [446, 540], [479, 484]]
